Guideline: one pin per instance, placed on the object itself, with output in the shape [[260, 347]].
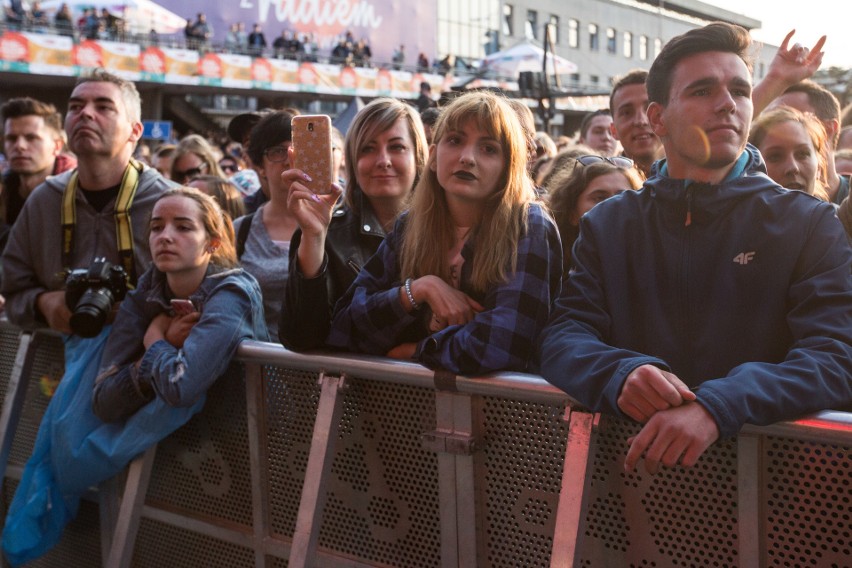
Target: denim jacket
[[231, 311]]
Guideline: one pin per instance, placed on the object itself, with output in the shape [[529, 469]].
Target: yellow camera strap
[[123, 227]]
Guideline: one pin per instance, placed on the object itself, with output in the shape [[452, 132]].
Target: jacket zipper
[[688, 220]]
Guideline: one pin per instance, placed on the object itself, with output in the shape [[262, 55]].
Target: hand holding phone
[[312, 149], [182, 307]]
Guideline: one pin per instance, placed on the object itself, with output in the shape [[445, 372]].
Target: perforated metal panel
[[808, 503], [383, 504], [9, 337], [291, 399], [160, 545], [679, 517], [203, 469], [80, 546], [524, 453], [49, 361]]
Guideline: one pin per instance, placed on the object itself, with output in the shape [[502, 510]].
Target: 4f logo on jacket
[[744, 257]]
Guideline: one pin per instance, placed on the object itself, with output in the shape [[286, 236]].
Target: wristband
[[408, 293]]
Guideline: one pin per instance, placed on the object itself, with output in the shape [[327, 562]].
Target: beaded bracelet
[[408, 293]]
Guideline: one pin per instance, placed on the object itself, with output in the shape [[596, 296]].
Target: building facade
[[604, 38]]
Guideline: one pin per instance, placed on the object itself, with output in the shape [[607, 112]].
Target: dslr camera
[[90, 294]]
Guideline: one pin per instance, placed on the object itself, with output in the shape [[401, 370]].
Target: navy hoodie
[[742, 289]]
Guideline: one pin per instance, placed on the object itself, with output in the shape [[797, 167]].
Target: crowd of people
[[682, 263], [198, 34]]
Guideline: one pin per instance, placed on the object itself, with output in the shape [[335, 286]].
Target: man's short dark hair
[[635, 77], [272, 130], [718, 36], [26, 106], [826, 106], [587, 120], [430, 116]]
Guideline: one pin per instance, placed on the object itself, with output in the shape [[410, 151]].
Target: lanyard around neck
[[123, 228]]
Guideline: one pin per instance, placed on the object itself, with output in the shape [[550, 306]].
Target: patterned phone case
[[312, 145]]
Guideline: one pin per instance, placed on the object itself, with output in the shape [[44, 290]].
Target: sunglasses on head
[[182, 175], [617, 161]]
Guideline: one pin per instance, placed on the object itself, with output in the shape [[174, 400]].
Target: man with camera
[[98, 211]]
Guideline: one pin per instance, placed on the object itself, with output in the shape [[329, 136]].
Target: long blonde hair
[[430, 232]]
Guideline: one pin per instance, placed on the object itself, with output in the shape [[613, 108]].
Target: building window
[[574, 78], [594, 79], [610, 40], [573, 33], [658, 46], [643, 48], [594, 44], [554, 28], [508, 18], [627, 48], [531, 29]]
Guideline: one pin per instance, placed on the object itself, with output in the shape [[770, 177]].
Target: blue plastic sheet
[[74, 451]]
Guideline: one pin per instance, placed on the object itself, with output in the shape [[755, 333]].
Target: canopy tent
[[141, 16], [525, 56]]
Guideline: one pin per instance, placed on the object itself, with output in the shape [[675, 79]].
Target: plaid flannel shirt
[[369, 318]]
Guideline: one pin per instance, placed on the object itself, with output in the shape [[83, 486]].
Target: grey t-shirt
[[269, 263]]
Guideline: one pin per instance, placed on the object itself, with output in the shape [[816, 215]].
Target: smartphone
[[312, 146], [182, 307]]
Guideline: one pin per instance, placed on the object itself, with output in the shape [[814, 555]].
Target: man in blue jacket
[[712, 297]]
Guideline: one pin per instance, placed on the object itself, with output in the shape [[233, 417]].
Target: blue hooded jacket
[[742, 289]]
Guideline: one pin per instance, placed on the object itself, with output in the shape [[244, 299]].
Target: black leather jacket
[[308, 302]]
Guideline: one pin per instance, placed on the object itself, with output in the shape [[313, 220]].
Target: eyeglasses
[[228, 167], [617, 161], [191, 173], [276, 154]]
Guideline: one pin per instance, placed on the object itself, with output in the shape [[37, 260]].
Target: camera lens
[[91, 312]]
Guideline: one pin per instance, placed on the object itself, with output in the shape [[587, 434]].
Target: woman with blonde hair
[[194, 157], [793, 146], [467, 278], [385, 154]]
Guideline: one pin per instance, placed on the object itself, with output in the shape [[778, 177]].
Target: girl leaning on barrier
[[385, 153], [175, 334], [467, 278], [584, 183]]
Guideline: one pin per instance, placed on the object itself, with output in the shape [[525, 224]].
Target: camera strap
[[123, 229]]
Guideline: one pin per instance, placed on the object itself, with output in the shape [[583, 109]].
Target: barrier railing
[[342, 460]]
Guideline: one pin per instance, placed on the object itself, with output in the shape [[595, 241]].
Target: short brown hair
[[826, 106], [26, 106], [718, 36], [635, 77]]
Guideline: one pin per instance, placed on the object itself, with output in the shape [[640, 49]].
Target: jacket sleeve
[[181, 376], [21, 282], [306, 309], [816, 373], [574, 352], [369, 317], [502, 336]]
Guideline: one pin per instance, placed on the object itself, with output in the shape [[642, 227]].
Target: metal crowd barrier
[[351, 461]]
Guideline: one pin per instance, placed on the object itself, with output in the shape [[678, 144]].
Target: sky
[[811, 19]]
